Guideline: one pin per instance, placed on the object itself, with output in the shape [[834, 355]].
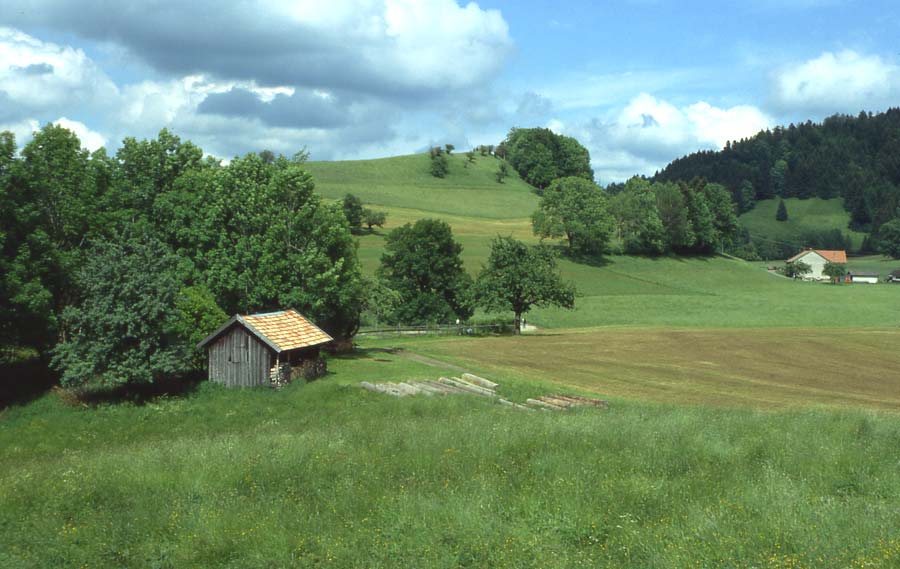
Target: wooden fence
[[438, 329]]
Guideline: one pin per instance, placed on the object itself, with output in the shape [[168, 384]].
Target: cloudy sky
[[639, 82]]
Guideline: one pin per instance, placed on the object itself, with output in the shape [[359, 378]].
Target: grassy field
[[329, 475], [406, 182], [760, 368], [804, 216]]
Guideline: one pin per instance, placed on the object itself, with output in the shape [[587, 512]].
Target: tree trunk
[[518, 323]]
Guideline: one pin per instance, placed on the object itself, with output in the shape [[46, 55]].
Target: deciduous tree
[[353, 211], [422, 262], [834, 271], [575, 208], [889, 238], [518, 277], [123, 330]]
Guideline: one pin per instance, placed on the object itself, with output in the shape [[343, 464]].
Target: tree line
[[856, 158], [113, 267], [116, 265]]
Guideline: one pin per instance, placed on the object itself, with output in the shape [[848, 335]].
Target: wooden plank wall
[[238, 359]]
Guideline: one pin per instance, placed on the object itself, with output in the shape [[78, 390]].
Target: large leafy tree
[[422, 262], [674, 215], [834, 271], [123, 330], [51, 204], [723, 211], [889, 238], [637, 218], [354, 212], [575, 208], [518, 277], [541, 156], [276, 244], [703, 220]]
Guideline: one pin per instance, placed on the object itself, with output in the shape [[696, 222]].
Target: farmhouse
[[863, 277], [267, 349], [817, 258]]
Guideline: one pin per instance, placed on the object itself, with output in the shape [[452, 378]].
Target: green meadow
[[753, 422], [804, 216]]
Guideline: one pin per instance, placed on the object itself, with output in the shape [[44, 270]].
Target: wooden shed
[[265, 349]]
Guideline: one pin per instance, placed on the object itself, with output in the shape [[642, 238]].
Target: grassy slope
[[405, 182], [330, 475], [803, 216]]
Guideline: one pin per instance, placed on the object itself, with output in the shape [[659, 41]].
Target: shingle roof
[[831, 256], [282, 331], [288, 329]]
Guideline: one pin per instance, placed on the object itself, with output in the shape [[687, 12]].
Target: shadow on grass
[[366, 353], [25, 381], [139, 394]]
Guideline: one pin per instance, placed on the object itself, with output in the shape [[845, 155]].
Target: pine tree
[[782, 214]]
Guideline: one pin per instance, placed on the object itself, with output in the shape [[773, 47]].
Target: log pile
[[469, 384]]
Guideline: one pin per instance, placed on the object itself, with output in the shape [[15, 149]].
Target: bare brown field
[[760, 368]]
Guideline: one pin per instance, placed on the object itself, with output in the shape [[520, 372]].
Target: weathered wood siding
[[238, 359]]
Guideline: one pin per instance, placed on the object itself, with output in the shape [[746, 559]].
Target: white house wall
[[817, 264]]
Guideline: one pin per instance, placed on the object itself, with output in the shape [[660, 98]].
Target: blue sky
[[638, 82]]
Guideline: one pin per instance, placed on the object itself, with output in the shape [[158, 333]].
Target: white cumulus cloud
[[647, 133], [89, 139], [37, 76], [846, 81]]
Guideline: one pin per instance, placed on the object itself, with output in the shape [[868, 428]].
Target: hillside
[[805, 217], [844, 156], [406, 182], [622, 290]]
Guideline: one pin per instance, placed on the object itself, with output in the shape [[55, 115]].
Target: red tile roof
[[831, 256], [287, 329]]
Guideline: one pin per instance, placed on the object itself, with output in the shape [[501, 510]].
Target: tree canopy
[[575, 208], [540, 156], [123, 330], [853, 157], [518, 277], [246, 236], [422, 262]]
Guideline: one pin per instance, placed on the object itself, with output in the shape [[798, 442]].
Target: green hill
[[804, 217], [406, 182], [622, 290]]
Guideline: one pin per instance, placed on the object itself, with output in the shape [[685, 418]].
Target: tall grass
[[330, 475]]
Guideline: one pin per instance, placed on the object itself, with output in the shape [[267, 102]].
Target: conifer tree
[[782, 214]]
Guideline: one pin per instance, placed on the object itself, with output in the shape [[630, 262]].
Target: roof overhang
[[238, 319]]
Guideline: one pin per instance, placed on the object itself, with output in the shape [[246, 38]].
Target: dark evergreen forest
[[857, 158]]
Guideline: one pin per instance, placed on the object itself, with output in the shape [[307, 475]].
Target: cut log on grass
[[556, 401], [408, 388], [515, 405], [543, 404], [388, 390], [467, 387], [430, 389], [579, 400], [445, 389], [368, 386], [478, 388], [480, 381]]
